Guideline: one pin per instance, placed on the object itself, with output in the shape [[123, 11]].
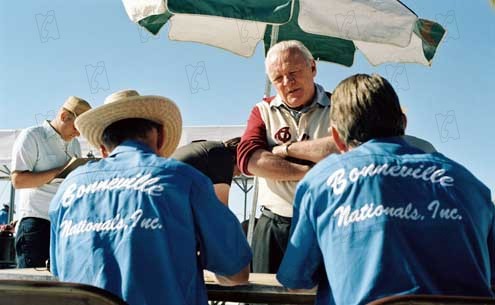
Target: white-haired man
[[285, 136], [133, 222]]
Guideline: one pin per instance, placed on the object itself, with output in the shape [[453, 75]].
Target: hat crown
[[76, 105], [119, 95], [127, 104]]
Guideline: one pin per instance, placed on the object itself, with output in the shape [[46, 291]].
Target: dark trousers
[[270, 239], [32, 242]]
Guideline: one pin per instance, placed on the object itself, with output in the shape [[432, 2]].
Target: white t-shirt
[[38, 149]]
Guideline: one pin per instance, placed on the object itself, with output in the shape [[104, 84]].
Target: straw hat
[[128, 104], [76, 105]]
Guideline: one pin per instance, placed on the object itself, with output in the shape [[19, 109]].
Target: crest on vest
[[283, 135]]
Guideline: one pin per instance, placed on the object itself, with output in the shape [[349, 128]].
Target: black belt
[[266, 212]]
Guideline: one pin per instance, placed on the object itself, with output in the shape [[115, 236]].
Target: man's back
[[212, 158], [390, 220], [132, 224]]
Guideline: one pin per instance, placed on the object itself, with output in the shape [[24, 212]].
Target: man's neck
[[55, 124]]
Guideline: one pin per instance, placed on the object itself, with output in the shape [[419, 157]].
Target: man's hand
[[240, 278], [8, 227], [310, 150]]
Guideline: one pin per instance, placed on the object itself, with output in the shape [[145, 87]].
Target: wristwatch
[[286, 148]]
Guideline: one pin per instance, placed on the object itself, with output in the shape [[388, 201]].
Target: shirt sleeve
[[302, 265], [254, 138], [24, 152], [223, 246]]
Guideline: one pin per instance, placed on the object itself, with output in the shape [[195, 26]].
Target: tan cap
[[76, 105]]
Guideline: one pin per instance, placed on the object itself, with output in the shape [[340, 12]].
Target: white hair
[[288, 45]]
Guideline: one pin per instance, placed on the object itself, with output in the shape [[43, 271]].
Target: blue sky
[[52, 49]]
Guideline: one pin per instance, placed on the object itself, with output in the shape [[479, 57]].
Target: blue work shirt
[[133, 224], [387, 219]]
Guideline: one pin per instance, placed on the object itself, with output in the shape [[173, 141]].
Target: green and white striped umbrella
[[383, 30]]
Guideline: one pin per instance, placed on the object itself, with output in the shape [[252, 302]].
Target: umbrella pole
[[273, 40]]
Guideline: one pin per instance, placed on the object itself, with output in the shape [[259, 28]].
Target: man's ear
[[64, 116], [160, 139], [404, 121], [338, 141], [313, 67], [103, 151]]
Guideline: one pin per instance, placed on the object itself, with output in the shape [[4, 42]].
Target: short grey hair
[[288, 45]]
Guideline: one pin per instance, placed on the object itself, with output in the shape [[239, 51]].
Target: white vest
[[282, 127]]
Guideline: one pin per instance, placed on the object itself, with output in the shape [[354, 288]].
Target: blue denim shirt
[[388, 219], [133, 224]]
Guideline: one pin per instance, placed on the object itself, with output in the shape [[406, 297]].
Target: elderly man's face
[[292, 77]]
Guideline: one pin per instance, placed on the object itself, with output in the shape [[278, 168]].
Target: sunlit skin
[[67, 128], [292, 77]]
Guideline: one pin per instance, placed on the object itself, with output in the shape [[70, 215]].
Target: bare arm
[[240, 278], [312, 150], [265, 164], [222, 191], [29, 179]]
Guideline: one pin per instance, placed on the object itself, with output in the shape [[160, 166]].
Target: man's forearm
[[312, 150], [264, 164], [240, 278], [29, 179]]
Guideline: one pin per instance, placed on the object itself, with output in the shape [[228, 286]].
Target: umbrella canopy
[[383, 30]]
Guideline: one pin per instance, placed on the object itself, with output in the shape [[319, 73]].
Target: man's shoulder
[[32, 131], [161, 164], [209, 145], [179, 169], [28, 137], [458, 170], [265, 103], [145, 163], [268, 100]]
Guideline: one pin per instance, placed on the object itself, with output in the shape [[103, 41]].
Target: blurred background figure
[[4, 214], [38, 156], [216, 159]]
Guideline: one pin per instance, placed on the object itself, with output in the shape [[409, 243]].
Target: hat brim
[[161, 110]]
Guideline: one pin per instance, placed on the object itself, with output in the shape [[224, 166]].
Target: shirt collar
[[131, 146], [392, 140], [49, 130], [388, 143], [320, 97]]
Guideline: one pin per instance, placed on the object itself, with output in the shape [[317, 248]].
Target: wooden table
[[262, 287]]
